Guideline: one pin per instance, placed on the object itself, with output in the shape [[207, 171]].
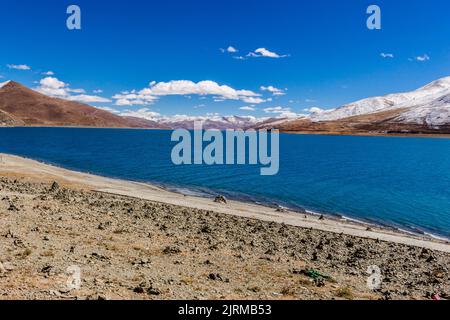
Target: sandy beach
[[138, 241]]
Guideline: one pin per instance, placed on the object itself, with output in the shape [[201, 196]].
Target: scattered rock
[[220, 199], [47, 269], [54, 187], [360, 253], [139, 289], [12, 207], [55, 293], [6, 266], [140, 262], [206, 229], [104, 225], [172, 250], [149, 289], [217, 277], [205, 247], [153, 291]]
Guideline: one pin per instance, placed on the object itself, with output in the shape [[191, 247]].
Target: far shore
[[14, 166], [312, 133]]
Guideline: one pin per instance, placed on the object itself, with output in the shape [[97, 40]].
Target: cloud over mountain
[[156, 90], [54, 87]]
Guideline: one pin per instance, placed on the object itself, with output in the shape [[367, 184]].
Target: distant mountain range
[[423, 111]]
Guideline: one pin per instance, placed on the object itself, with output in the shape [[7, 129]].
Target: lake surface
[[401, 182]]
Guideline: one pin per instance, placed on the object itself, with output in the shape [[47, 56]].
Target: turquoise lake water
[[399, 182]]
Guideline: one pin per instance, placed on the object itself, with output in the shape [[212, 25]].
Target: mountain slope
[[422, 96], [423, 111], [211, 122], [22, 106]]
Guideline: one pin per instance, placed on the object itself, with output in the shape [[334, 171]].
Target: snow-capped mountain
[[427, 104], [2, 84], [422, 111], [425, 110], [210, 122]]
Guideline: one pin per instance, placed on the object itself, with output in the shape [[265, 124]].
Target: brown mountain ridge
[[21, 106]]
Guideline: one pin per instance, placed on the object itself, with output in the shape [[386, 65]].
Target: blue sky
[[327, 56]]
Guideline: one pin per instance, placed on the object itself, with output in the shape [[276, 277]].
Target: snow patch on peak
[[431, 116], [443, 83], [420, 97], [2, 84]]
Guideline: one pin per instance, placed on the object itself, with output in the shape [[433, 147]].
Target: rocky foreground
[[128, 248]]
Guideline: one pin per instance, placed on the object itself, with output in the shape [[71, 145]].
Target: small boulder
[[54, 187], [281, 209], [206, 229], [172, 250], [220, 199], [12, 207]]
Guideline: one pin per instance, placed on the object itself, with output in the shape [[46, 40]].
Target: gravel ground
[[127, 248]]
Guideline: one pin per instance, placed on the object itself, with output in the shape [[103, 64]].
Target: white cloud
[[157, 90], [253, 100], [18, 66], [144, 113], [87, 99], [273, 90], [230, 49], [263, 52], [207, 87], [283, 112], [98, 91], [54, 87], [315, 110], [48, 73], [423, 58], [76, 90], [387, 55], [134, 98], [248, 108]]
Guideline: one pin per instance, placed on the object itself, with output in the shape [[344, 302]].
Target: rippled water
[[402, 182]]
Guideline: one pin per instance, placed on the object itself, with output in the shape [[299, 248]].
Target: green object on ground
[[314, 274]]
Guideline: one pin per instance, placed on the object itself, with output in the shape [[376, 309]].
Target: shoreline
[[210, 194], [312, 133], [15, 166], [374, 134]]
